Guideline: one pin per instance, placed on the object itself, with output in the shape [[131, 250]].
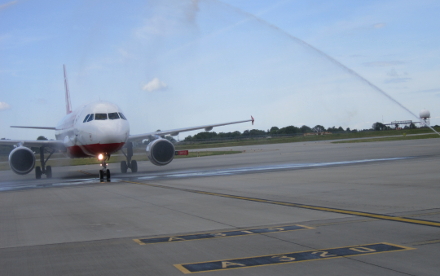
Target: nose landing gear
[[104, 172]]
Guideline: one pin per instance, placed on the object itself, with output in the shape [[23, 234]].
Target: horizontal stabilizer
[[34, 127]]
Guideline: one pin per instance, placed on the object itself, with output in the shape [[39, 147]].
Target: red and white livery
[[98, 129]]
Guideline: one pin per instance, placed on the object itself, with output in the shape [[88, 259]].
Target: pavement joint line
[[426, 242], [291, 257], [425, 214], [299, 205], [84, 172]]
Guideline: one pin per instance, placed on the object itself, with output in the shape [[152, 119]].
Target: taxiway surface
[[305, 208]]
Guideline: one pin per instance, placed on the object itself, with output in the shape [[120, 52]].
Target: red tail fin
[[68, 104]]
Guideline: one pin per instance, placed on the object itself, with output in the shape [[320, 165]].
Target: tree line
[[288, 130]]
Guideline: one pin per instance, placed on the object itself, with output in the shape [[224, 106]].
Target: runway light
[[100, 156]]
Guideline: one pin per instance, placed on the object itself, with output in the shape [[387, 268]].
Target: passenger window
[[101, 116], [113, 116], [85, 119], [122, 116], [90, 117]]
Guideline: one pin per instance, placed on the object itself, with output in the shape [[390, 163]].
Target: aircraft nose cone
[[113, 133]]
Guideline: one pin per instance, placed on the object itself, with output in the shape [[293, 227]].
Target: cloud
[[169, 19], [429, 90], [155, 85], [397, 80], [39, 101], [383, 63], [4, 106], [379, 25], [393, 73], [395, 77], [356, 56], [7, 5], [124, 53], [156, 25]]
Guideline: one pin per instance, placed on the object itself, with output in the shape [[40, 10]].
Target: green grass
[[395, 138], [207, 153], [293, 139], [60, 161]]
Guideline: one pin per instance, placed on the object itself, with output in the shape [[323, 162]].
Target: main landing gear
[[47, 170], [129, 164], [104, 172]]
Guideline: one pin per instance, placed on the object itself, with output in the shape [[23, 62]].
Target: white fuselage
[[96, 128]]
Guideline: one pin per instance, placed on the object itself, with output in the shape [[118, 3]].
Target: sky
[[181, 63]]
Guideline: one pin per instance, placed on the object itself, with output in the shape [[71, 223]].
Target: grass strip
[[382, 139], [61, 162]]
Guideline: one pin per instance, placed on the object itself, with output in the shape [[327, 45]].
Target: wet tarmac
[[303, 208]]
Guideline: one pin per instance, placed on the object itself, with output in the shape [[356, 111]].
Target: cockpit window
[[85, 119], [113, 116], [90, 117], [122, 116], [101, 116]]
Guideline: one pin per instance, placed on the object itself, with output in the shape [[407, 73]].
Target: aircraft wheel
[[124, 167], [134, 166], [107, 174], [38, 172], [101, 175], [49, 172]]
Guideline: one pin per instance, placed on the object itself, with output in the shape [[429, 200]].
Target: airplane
[[97, 129]]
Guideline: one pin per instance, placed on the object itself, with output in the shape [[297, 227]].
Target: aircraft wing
[[34, 127], [34, 143], [175, 132]]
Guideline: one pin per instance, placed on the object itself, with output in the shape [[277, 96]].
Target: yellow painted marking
[[220, 234], [392, 244], [175, 239], [138, 241], [231, 264], [282, 258], [182, 269], [311, 207], [361, 249], [324, 254], [343, 222]]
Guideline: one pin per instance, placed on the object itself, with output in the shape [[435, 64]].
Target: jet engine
[[160, 152], [22, 160]]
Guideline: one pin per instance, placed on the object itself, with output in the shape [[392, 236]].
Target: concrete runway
[[311, 208]]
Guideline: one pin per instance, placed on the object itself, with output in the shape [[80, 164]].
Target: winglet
[[253, 120], [68, 103]]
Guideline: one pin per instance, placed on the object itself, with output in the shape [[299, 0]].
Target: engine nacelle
[[160, 152], [22, 160]]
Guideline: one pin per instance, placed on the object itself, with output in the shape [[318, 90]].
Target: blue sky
[[178, 63]]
